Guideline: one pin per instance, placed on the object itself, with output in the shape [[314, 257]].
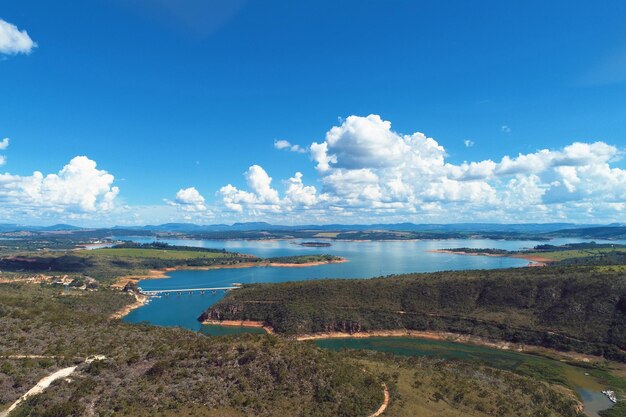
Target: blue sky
[[177, 99]]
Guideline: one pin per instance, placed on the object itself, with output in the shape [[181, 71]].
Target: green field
[[108, 264], [577, 253], [155, 253]]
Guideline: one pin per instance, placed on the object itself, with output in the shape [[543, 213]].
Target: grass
[[576, 253], [611, 268], [544, 368], [154, 253], [326, 234]]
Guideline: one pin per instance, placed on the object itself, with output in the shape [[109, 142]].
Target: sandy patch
[[240, 323], [140, 300]]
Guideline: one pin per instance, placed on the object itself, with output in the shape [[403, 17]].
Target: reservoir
[[365, 260]]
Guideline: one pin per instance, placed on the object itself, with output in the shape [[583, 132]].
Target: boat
[[610, 394]]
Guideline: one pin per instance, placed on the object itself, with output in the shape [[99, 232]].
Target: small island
[[315, 244]]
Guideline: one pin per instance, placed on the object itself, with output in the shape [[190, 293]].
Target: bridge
[[185, 291]]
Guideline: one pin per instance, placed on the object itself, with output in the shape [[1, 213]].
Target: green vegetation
[[107, 264], [163, 371], [590, 253], [546, 367], [166, 254], [482, 251], [171, 372], [303, 259], [565, 308], [586, 252], [602, 232], [618, 410], [424, 386]]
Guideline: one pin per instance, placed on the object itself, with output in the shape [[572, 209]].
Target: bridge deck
[[181, 290]]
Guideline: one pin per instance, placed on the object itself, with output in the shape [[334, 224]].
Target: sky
[[131, 112]]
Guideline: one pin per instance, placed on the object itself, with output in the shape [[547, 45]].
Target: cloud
[[262, 196], [299, 195], [468, 143], [79, 188], [505, 129], [366, 170], [4, 143], [189, 199], [13, 41], [285, 145]]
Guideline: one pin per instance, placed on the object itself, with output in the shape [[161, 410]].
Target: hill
[[568, 308]]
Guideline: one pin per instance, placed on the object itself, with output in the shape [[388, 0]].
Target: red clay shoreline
[[240, 323]]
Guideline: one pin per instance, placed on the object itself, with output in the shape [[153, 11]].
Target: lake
[[366, 260]]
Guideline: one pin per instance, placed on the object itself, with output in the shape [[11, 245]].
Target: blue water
[[366, 260]]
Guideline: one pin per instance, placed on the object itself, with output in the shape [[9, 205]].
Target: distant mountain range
[[562, 229], [6, 227]]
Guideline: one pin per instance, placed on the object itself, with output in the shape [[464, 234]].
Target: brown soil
[[240, 323], [385, 403], [140, 300]]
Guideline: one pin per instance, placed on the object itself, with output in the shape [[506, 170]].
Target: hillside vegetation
[[568, 308], [107, 264], [153, 370], [156, 371], [423, 386]]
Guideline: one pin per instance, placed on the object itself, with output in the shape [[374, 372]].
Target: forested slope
[[159, 371], [570, 308]]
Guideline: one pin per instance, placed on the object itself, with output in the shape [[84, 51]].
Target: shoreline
[[534, 260], [461, 339], [239, 323], [163, 273], [140, 301], [424, 335]]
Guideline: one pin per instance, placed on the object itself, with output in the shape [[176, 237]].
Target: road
[[45, 383]]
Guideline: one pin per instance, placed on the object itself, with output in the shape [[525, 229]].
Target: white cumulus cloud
[[78, 188], [366, 170], [262, 196], [4, 144], [14, 41], [190, 200], [287, 146]]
